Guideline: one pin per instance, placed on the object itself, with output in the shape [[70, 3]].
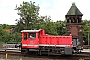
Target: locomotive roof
[[30, 30]]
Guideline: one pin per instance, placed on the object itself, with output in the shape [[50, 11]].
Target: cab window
[[25, 36], [32, 35]]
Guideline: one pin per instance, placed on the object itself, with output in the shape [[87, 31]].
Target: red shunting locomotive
[[38, 42]]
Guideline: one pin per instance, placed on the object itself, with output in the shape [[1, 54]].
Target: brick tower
[[74, 25]]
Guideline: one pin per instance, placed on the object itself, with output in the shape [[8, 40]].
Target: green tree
[[48, 25], [17, 37], [86, 29], [61, 27], [5, 26], [3, 35], [28, 13]]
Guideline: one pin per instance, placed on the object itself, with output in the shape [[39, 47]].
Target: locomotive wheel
[[78, 51], [24, 51]]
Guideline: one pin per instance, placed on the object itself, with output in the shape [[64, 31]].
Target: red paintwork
[[60, 41], [46, 40]]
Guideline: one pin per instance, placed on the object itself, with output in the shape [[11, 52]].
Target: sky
[[57, 9]]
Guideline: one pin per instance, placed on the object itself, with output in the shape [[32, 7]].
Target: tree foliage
[[86, 30], [28, 13], [61, 27]]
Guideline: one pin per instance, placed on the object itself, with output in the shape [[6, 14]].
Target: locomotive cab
[[30, 40]]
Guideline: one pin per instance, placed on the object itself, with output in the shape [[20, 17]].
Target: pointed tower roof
[[74, 10]]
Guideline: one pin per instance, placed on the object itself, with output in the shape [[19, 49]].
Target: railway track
[[82, 56], [17, 53]]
